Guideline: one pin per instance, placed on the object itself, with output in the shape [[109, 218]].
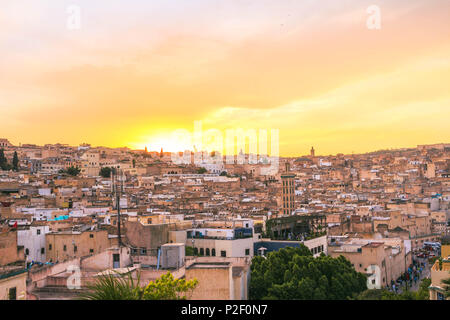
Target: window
[[247, 252], [213, 252], [75, 248], [91, 235], [202, 251], [27, 252], [143, 251], [38, 231], [195, 251], [207, 252], [360, 265], [42, 250], [12, 293], [223, 253], [65, 248], [49, 247], [91, 250]]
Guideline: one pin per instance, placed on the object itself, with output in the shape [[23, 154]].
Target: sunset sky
[[138, 70]]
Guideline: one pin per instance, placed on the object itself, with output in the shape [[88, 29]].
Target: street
[[426, 273]]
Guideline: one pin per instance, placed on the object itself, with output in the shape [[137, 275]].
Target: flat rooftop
[[209, 265], [374, 244]]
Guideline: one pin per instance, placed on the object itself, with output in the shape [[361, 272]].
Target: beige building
[[66, 245], [13, 274], [219, 278], [9, 251], [56, 282], [288, 193], [13, 283], [4, 143], [438, 274], [383, 260], [440, 271]]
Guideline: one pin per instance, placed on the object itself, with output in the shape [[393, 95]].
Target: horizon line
[[280, 156]]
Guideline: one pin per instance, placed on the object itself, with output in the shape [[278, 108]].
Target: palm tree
[[113, 286]]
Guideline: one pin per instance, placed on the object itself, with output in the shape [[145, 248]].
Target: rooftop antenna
[[118, 194]]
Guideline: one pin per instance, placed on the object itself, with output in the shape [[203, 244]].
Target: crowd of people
[[412, 277]]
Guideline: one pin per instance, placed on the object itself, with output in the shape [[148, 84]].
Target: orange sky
[[134, 73]]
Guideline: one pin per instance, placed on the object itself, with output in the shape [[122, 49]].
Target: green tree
[[124, 287], [201, 170], [293, 273], [15, 162], [383, 294], [447, 287], [423, 293], [189, 251], [73, 171], [168, 288], [105, 172], [377, 294], [3, 161]]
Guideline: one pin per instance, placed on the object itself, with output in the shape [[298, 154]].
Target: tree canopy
[[201, 170], [294, 274], [105, 172], [15, 162], [446, 287], [167, 287], [4, 165], [73, 171]]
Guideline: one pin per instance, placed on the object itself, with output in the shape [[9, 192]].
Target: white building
[[33, 241], [217, 242], [42, 214]]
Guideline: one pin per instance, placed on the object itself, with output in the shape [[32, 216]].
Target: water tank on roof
[[172, 255]]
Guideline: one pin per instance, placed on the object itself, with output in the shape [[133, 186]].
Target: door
[[116, 261]]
